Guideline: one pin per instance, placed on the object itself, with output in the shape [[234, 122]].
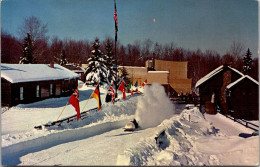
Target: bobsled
[[131, 126]]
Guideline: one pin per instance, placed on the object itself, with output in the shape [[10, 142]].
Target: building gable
[[218, 71], [242, 79]]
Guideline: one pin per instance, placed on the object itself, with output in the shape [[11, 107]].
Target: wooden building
[[26, 83], [171, 74], [177, 79], [243, 98], [136, 74], [211, 88], [77, 69]]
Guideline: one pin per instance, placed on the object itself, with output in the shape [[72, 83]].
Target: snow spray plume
[[153, 107]]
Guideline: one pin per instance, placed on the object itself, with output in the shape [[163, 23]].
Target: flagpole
[[89, 97], [63, 110], [115, 14], [87, 102]]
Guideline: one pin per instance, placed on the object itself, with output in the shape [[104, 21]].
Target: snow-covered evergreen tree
[[27, 51], [109, 62], [247, 61], [96, 71], [124, 75], [63, 59]]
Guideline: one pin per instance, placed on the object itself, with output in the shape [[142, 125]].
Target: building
[[178, 83], [26, 83], [77, 69], [211, 88], [136, 74], [171, 74], [243, 99]]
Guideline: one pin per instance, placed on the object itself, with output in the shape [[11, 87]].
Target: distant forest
[[199, 63]]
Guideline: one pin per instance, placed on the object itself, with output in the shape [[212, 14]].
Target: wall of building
[[136, 74], [31, 94], [181, 85], [159, 77], [177, 69], [6, 92], [244, 100], [176, 78], [217, 85]]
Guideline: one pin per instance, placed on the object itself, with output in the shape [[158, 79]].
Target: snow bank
[[108, 112], [153, 107], [229, 150], [190, 139]]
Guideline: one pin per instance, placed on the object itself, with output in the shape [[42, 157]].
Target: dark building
[[77, 69], [211, 88], [242, 98], [26, 83]]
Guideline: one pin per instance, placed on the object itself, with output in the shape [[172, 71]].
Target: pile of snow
[[153, 107], [190, 139]]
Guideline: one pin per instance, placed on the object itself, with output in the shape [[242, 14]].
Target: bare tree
[[236, 50], [38, 31], [157, 53], [56, 48], [11, 48], [35, 28], [146, 50]]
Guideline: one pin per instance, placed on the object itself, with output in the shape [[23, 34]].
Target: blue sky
[[191, 24]]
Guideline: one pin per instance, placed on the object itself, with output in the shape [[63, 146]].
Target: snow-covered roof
[[240, 79], [74, 68], [15, 73], [158, 72], [213, 73]]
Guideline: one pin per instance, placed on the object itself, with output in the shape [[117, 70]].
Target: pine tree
[[96, 71], [124, 75], [63, 59], [27, 51], [109, 61], [247, 61]]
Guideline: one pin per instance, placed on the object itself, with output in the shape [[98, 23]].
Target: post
[[89, 98], [168, 78], [63, 110], [116, 29]]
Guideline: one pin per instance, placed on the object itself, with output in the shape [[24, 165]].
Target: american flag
[[116, 23]]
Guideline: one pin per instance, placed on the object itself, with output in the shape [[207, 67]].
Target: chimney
[[227, 64], [51, 64]]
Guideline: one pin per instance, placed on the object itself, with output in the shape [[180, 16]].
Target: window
[[58, 89], [63, 86], [21, 93], [37, 91], [51, 89]]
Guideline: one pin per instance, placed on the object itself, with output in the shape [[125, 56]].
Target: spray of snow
[[153, 107]]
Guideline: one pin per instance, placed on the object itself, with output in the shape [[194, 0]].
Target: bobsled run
[[131, 126]]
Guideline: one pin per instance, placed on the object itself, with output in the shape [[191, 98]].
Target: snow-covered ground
[[188, 138]]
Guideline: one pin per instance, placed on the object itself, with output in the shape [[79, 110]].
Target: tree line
[[46, 50]]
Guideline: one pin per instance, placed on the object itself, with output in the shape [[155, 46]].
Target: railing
[[244, 122], [83, 115]]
